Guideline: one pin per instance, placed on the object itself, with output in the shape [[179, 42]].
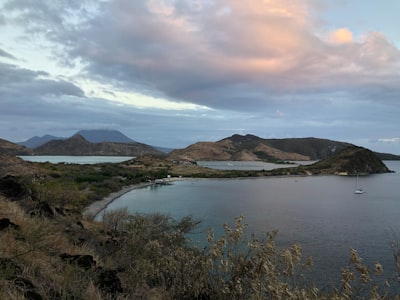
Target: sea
[[320, 213]]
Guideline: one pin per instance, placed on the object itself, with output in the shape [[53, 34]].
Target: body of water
[[55, 159], [250, 165], [321, 213]]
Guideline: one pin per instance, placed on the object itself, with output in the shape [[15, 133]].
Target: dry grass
[[150, 257]]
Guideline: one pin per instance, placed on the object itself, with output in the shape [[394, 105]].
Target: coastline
[[97, 207]]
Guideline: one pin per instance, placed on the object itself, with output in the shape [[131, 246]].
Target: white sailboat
[[358, 190]]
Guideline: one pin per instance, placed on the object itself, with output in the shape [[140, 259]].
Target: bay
[[321, 213], [55, 159]]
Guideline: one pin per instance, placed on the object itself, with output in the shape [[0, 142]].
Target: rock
[[9, 268], [28, 288], [84, 261], [6, 223], [32, 295], [10, 187], [109, 282], [42, 209]]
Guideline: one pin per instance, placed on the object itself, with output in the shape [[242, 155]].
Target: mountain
[[352, 160], [37, 141], [251, 147], [78, 145], [10, 148], [314, 148], [104, 135], [93, 136]]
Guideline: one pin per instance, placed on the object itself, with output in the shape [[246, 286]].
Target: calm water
[[249, 165], [321, 213], [55, 159]]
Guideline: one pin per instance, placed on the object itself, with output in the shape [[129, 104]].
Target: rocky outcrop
[[6, 223]]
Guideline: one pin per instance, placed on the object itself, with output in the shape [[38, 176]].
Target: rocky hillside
[[314, 148], [251, 147], [7, 147], [78, 145], [352, 160]]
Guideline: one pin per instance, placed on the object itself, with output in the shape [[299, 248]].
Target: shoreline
[[97, 207]]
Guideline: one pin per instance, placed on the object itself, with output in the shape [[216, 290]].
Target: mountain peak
[[77, 137], [104, 135]]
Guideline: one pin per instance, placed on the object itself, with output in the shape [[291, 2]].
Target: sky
[[174, 72]]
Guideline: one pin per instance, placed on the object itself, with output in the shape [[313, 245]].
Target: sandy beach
[[96, 207]]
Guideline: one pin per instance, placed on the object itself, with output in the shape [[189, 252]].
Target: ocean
[[321, 213]]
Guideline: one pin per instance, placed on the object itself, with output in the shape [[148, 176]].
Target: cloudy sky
[[174, 72]]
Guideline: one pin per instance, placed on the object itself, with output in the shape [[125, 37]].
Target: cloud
[[189, 51], [390, 140], [342, 36], [21, 83], [6, 54], [257, 58]]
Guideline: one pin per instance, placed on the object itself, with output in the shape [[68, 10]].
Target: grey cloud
[[17, 82], [191, 53], [6, 54], [243, 59]]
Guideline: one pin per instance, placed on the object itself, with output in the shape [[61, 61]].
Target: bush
[[233, 266]]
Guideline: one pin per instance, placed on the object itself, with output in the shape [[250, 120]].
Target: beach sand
[[97, 207]]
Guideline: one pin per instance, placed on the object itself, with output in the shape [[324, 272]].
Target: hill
[[37, 141], [78, 145], [251, 147], [352, 160], [10, 148]]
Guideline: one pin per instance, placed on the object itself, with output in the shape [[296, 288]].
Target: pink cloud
[[274, 45], [342, 36]]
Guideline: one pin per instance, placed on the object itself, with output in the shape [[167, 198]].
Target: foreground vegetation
[[148, 257], [49, 251]]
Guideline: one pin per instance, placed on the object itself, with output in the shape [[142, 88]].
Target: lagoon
[[321, 213], [55, 159], [250, 165]]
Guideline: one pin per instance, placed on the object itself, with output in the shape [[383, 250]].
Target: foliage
[[152, 258]]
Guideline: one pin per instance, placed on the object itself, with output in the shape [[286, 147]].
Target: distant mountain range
[[250, 147], [93, 136], [237, 147], [78, 145]]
